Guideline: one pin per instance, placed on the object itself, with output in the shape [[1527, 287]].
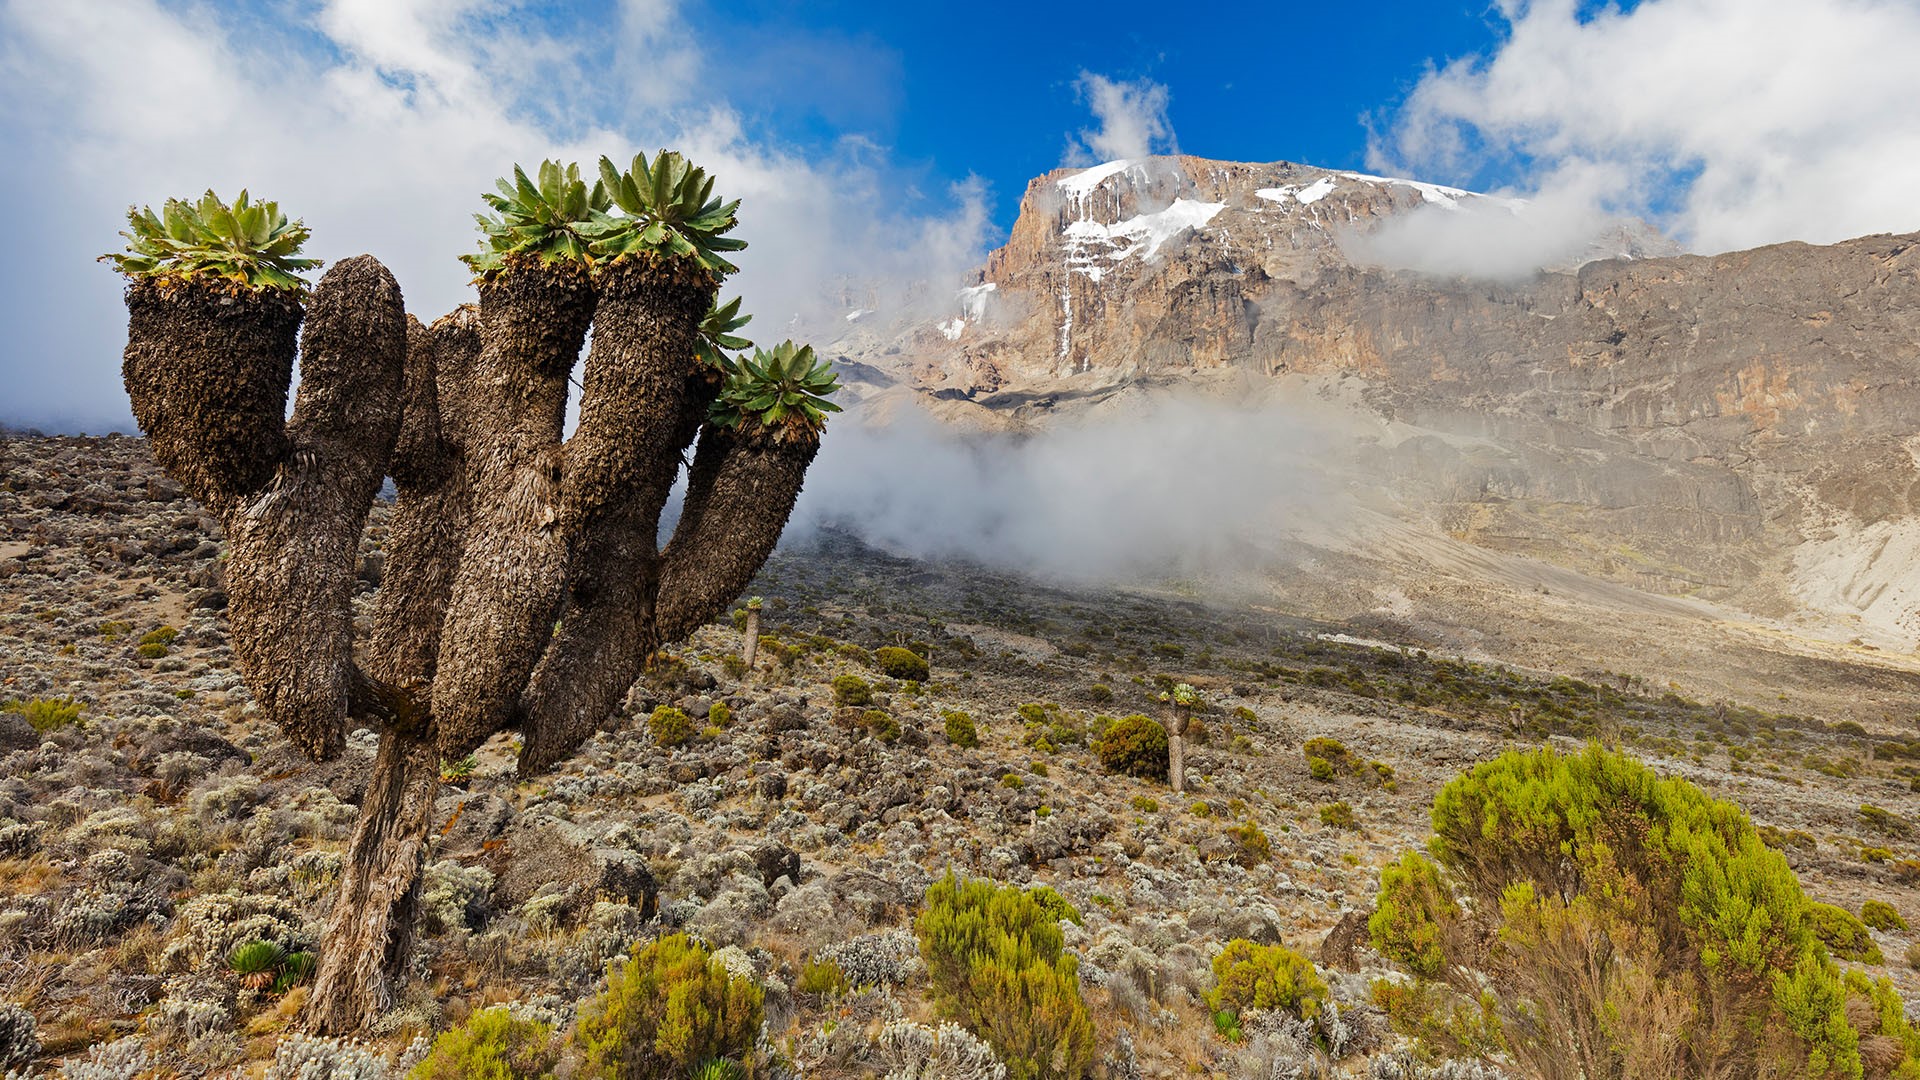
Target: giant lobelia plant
[[524, 585]]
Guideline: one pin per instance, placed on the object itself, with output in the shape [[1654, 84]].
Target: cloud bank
[[1731, 123], [1174, 487], [379, 122]]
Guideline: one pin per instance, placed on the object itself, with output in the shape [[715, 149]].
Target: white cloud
[[1733, 123], [1132, 116], [379, 123]]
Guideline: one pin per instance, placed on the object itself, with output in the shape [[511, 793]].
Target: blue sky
[[992, 88], [882, 148]]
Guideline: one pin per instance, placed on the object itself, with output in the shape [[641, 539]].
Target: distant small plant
[[898, 663], [45, 714], [1200, 810], [960, 729], [881, 725], [1882, 820], [851, 690], [719, 714], [1880, 915], [1338, 815], [493, 1044], [1146, 805], [162, 635], [1134, 745], [670, 726], [1012, 780], [1251, 846], [1845, 936], [152, 650], [265, 965], [822, 977], [1100, 693], [453, 772]]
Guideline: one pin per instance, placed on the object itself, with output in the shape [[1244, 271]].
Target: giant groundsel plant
[[524, 587]]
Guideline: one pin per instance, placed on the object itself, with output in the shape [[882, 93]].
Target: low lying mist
[[1157, 488]]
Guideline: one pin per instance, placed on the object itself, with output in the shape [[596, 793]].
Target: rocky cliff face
[[1739, 427]]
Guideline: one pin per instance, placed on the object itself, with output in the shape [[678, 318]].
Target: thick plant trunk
[[642, 400], [740, 493], [368, 942], [507, 589], [750, 648], [1177, 751]]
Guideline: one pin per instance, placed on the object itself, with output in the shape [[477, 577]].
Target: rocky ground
[[166, 821]]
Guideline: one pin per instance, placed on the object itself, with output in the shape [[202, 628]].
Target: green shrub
[[1200, 809], [1321, 769], [1882, 820], [670, 726], [851, 690], [719, 714], [1146, 805], [1100, 693], [1880, 915], [898, 663], [1270, 977], [996, 966], [152, 650], [1250, 845], [1413, 912], [820, 977], [1338, 815], [1717, 954], [960, 729], [492, 1045], [162, 636], [1845, 936], [664, 1012], [46, 714], [1013, 780], [881, 725], [1133, 745]]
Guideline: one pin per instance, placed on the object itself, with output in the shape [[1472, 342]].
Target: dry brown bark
[[497, 530]]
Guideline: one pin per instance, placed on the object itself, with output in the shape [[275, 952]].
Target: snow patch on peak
[[951, 329], [973, 301], [1082, 183], [1140, 235], [1437, 194]]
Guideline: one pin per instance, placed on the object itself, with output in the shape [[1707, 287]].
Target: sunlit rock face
[[1738, 427]]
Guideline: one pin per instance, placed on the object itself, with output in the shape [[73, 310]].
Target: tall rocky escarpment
[[1739, 427]]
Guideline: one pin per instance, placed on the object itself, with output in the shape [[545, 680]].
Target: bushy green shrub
[[881, 725], [1414, 910], [492, 1045], [664, 1012], [1845, 936], [161, 635], [898, 663], [1134, 745], [1250, 844], [1338, 815], [1100, 693], [960, 729], [1247, 975], [820, 977], [719, 714], [851, 690], [1882, 820], [1321, 769], [1715, 954], [995, 964], [1880, 915], [670, 726], [46, 714]]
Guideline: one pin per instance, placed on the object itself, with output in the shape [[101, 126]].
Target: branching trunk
[[368, 942]]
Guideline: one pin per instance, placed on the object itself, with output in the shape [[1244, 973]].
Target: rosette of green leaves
[[717, 337], [549, 220], [667, 210], [784, 388], [251, 244]]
